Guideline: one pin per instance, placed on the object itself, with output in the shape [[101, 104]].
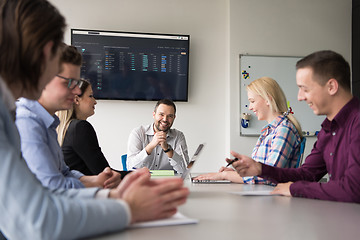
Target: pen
[[232, 161]]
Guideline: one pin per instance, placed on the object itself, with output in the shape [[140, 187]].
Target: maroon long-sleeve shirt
[[337, 152]]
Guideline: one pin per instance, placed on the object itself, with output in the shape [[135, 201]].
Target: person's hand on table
[[99, 180], [223, 169], [283, 189], [113, 181], [150, 199]]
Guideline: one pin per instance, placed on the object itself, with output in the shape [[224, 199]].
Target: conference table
[[224, 215]]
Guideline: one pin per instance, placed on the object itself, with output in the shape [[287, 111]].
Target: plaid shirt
[[278, 145]]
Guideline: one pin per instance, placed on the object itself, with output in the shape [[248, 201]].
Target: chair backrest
[[123, 161], [301, 155]]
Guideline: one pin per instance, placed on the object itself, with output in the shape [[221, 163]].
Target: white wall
[[287, 28], [202, 119], [220, 30]]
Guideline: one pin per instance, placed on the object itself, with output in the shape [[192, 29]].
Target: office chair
[[123, 161], [301, 155]]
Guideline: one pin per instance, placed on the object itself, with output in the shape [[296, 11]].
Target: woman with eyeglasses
[[77, 136]]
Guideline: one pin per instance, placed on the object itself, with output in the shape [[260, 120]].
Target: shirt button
[[155, 165], [334, 133], [158, 154], [331, 154]]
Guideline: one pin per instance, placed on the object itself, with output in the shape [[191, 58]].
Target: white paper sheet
[[256, 193], [177, 219]]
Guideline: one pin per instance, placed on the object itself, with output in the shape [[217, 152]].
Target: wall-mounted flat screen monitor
[[134, 66]]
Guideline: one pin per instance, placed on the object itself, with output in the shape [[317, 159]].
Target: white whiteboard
[[283, 70]]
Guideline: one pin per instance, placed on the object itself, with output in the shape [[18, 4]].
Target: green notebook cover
[[162, 172]]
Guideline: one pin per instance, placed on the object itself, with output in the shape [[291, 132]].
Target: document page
[[177, 219], [255, 193]]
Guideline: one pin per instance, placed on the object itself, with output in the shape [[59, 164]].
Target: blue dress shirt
[[31, 211], [40, 147]]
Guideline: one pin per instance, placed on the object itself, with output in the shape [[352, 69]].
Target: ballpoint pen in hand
[[232, 161]]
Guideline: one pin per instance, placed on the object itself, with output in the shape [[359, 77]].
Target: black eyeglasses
[[72, 82]]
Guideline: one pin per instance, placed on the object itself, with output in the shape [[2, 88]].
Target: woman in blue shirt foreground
[[279, 141]]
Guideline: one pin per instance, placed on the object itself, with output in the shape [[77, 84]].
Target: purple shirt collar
[[342, 115]]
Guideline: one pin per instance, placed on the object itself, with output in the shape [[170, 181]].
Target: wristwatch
[[169, 149]]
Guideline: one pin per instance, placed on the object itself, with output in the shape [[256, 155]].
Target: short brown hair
[[166, 102], [26, 26], [71, 55], [326, 65]]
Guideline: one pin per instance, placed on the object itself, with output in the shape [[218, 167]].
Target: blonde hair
[[65, 116], [269, 89]]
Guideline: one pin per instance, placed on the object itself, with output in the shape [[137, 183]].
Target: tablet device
[[192, 161]]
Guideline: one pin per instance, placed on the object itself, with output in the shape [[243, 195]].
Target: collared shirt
[[137, 156], [278, 145], [40, 147], [336, 152], [26, 204]]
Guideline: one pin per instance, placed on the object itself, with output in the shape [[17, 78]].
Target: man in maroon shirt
[[323, 79]]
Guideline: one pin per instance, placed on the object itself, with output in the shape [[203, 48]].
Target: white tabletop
[[223, 215]]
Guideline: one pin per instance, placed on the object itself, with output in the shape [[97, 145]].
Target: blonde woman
[[77, 136], [279, 141]]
